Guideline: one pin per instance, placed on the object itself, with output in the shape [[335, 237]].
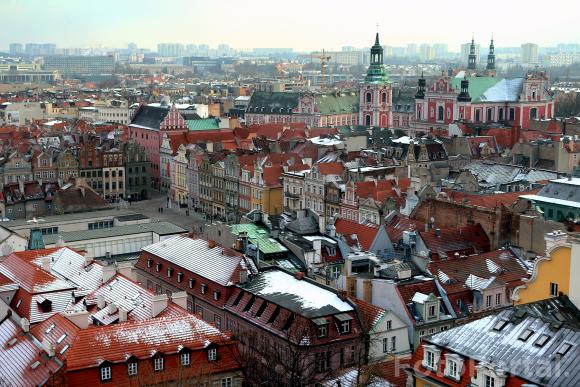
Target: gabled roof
[[19, 354], [142, 339], [467, 239], [194, 255], [366, 234], [149, 117]]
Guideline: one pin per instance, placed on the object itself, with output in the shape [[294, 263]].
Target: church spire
[[491, 56], [376, 71], [377, 40], [472, 59]]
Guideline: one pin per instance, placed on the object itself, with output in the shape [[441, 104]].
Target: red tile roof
[[334, 168], [398, 224], [272, 175], [489, 200], [468, 239], [142, 339], [366, 234], [370, 313]]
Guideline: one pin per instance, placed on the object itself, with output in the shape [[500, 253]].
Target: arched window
[[440, 113], [477, 115], [384, 98], [369, 97], [533, 113], [368, 120]]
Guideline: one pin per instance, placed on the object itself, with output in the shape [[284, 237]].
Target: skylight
[[542, 340], [63, 350], [60, 339], [50, 328], [564, 348], [499, 325], [526, 335]]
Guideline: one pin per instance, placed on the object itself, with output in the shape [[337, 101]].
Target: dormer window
[[169, 272], [191, 283], [453, 366], [203, 288], [345, 327], [344, 322], [431, 357], [158, 267], [106, 373], [185, 359], [158, 364], [216, 295], [149, 263], [179, 277], [212, 354]]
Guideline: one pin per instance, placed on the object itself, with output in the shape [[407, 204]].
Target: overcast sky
[[300, 24]]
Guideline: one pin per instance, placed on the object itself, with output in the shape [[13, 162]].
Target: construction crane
[[324, 59], [288, 68]]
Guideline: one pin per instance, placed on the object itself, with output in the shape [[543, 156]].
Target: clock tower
[[375, 104]]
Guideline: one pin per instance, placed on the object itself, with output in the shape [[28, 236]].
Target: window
[[345, 327], [553, 289], [132, 368], [393, 343], [386, 345], [322, 331], [498, 299], [191, 282], [489, 381], [218, 321], [430, 360], [440, 113], [227, 382], [499, 325], [199, 310], [179, 277], [368, 97], [526, 335], [158, 364], [451, 369], [216, 295], [322, 361], [564, 348], [185, 359], [488, 301], [106, 373], [203, 288], [432, 310], [169, 272], [212, 354]]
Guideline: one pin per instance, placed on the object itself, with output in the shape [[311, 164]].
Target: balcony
[[291, 195]]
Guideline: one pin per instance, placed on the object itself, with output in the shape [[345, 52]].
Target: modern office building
[[80, 65]]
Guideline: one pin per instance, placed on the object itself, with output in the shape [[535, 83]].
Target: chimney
[[109, 272], [555, 238], [298, 275], [48, 346], [180, 298], [159, 303], [25, 324], [342, 294], [126, 269], [46, 264], [122, 315], [211, 244], [101, 301], [112, 308], [80, 318]]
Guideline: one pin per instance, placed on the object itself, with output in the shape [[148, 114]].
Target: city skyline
[[348, 26]]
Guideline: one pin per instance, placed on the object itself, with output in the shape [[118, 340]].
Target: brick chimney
[[211, 244], [299, 275], [342, 294]]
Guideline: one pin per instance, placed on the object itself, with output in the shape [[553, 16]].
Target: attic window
[[49, 329], [179, 277], [542, 340], [261, 309], [216, 295], [35, 365], [158, 267], [564, 348], [203, 288], [250, 303], [191, 283], [274, 315], [238, 298], [149, 262], [12, 341], [499, 325], [60, 339], [526, 335], [169, 272], [63, 350]]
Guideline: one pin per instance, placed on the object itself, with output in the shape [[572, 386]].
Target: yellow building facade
[[556, 273]]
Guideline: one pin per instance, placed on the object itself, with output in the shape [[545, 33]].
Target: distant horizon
[[304, 27]]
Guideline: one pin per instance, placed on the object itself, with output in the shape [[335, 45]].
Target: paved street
[[174, 214]]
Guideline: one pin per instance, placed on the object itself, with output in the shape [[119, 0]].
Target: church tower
[[491, 60], [472, 59], [375, 101]]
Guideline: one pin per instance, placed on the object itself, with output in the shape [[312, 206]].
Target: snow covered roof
[[298, 295], [326, 141], [217, 263], [506, 90]]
